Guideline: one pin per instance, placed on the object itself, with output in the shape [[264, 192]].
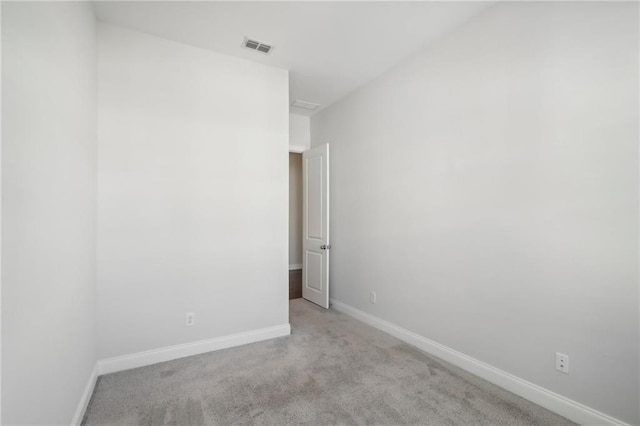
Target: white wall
[[295, 210], [299, 141], [193, 193], [48, 209], [299, 133], [487, 190]]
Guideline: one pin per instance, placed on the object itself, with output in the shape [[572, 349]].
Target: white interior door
[[315, 226]]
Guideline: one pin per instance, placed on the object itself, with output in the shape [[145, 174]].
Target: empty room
[[320, 213]]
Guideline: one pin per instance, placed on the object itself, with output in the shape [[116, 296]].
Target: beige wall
[[295, 209]]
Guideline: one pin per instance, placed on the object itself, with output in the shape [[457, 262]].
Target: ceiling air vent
[[305, 105], [257, 45]]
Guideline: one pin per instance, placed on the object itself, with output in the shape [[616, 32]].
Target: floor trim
[[141, 359], [550, 400], [86, 397], [295, 266]]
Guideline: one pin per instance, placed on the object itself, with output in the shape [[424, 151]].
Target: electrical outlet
[[562, 363], [190, 319], [372, 297]]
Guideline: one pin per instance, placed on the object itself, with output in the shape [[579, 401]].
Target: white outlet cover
[[562, 363], [190, 319]]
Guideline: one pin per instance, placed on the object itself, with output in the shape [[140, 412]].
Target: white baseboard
[[295, 266], [552, 401], [141, 359], [86, 397]]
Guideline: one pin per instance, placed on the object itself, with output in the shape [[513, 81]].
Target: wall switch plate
[[562, 363], [372, 297], [190, 319]]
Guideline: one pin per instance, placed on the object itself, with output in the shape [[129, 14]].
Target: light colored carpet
[[331, 370]]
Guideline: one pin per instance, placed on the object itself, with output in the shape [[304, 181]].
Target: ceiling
[[329, 48]]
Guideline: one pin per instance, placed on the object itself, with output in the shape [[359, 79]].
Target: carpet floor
[[331, 370]]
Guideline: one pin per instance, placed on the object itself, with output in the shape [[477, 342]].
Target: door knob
[[325, 247]]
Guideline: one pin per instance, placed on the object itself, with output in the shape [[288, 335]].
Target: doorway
[[295, 225], [309, 225]]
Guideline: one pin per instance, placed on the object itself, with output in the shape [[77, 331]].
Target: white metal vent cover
[[257, 45], [305, 105]]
